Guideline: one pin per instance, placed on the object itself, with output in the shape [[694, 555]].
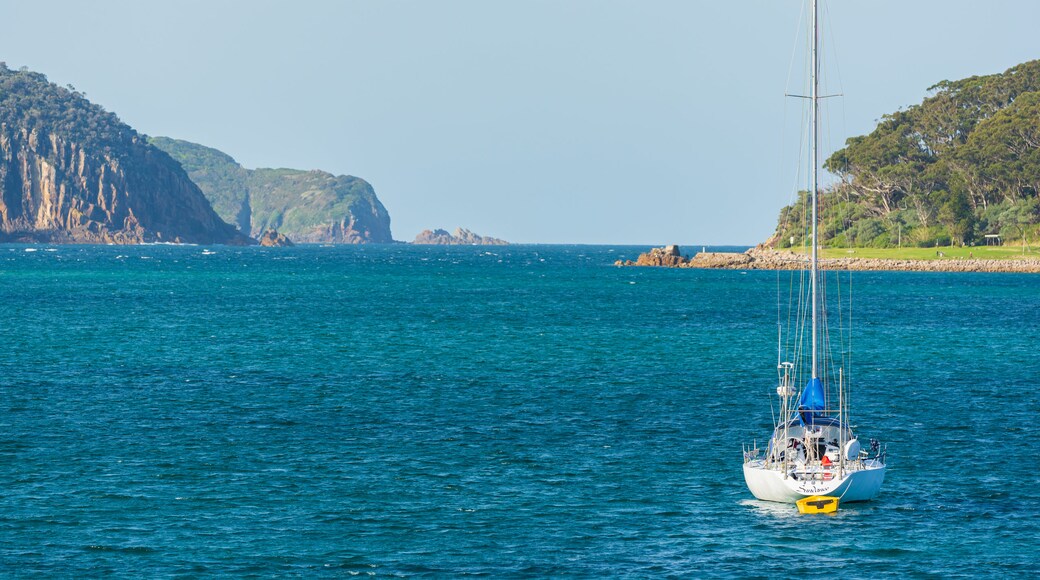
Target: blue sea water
[[508, 411]]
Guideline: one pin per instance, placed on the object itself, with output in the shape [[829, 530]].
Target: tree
[[955, 213]]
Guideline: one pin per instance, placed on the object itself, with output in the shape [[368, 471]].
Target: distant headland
[[71, 172], [304, 206]]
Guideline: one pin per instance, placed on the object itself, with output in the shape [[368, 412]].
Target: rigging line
[[800, 307], [804, 291], [772, 412], [779, 327], [779, 346], [792, 334], [804, 171], [793, 318], [787, 84], [846, 336], [804, 313], [825, 339], [785, 220], [794, 47], [791, 313], [837, 71], [841, 329], [833, 43], [841, 319], [833, 365], [796, 309], [844, 212], [798, 176], [848, 381]]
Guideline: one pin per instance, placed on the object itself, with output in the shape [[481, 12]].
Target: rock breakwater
[[762, 258]]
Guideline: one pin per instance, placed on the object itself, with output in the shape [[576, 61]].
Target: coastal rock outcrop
[[272, 238], [71, 172], [667, 257], [305, 206], [461, 237]]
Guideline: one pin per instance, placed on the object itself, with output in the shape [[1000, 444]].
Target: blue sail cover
[[812, 402]]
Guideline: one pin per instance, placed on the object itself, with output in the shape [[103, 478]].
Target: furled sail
[[813, 402]]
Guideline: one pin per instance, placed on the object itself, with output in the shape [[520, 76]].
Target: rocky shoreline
[[762, 258]]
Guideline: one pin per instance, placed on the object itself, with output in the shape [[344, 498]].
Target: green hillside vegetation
[[31, 102], [306, 206], [962, 164], [224, 182]]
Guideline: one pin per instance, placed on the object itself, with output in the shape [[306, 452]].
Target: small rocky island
[[461, 237], [272, 238]]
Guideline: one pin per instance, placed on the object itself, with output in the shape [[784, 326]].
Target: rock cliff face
[[72, 173], [305, 206], [461, 237]]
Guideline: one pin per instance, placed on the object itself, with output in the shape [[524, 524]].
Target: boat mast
[[814, 109]]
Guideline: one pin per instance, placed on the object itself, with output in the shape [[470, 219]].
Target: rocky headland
[[72, 172], [461, 237], [764, 258], [305, 206]]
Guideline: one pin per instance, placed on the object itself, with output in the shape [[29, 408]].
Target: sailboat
[[812, 450]]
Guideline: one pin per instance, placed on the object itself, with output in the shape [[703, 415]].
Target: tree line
[[963, 164]]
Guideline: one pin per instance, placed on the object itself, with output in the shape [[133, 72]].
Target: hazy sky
[[556, 121]]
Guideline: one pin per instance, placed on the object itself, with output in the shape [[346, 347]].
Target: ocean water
[[508, 411]]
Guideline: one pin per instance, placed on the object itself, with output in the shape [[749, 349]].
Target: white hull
[[770, 484]]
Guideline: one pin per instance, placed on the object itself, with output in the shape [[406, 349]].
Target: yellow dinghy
[[818, 504]]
